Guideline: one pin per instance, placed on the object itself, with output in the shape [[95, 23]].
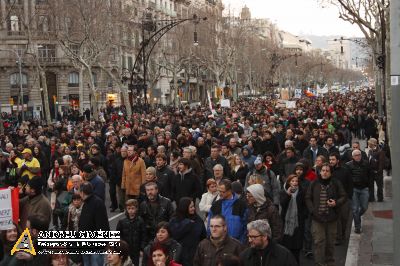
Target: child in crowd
[[132, 230]]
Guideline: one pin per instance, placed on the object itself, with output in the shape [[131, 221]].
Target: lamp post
[[147, 45], [19, 62]]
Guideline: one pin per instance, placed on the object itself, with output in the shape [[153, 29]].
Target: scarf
[[323, 200], [291, 217], [133, 158]]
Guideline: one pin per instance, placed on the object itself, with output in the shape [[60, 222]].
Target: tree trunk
[[94, 101], [81, 90], [45, 96]]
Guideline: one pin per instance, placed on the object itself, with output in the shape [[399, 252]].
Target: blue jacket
[[99, 188], [249, 159], [235, 212]]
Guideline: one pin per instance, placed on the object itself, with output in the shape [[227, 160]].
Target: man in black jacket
[[360, 173], [165, 176], [314, 150], [186, 183], [154, 209], [323, 198], [263, 250], [93, 218], [342, 174]]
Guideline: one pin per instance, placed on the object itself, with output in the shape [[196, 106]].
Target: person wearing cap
[[29, 166], [35, 202], [262, 208], [271, 185], [91, 176]]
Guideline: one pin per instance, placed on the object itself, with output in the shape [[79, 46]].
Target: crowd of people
[[254, 184]]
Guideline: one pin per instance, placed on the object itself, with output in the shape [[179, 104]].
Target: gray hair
[[218, 167], [288, 143], [67, 158], [187, 149], [261, 226], [355, 151]]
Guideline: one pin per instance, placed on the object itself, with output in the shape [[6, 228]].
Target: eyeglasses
[[216, 226], [253, 237]]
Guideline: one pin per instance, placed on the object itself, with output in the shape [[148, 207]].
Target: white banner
[[297, 93], [226, 103], [291, 104], [6, 213]]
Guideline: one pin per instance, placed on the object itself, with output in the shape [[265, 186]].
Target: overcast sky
[[299, 17]]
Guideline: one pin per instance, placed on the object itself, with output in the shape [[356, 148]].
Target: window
[[130, 62], [47, 52], [14, 80], [14, 24], [43, 23], [40, 2], [75, 49], [17, 2], [73, 79], [94, 74], [123, 61]]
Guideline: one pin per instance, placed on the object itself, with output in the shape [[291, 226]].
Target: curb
[[353, 248]]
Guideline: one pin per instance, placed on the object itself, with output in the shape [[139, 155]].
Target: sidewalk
[[375, 244]]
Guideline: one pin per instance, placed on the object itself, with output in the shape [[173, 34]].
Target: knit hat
[[36, 183], [237, 187], [257, 191]]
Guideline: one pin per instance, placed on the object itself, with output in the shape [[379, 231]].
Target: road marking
[[116, 216]]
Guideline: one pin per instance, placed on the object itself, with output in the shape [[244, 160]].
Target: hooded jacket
[[186, 184], [235, 212], [249, 159]]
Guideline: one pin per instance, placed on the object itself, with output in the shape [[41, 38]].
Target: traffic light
[[380, 61]]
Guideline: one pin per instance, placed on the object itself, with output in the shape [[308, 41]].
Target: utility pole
[[395, 144]]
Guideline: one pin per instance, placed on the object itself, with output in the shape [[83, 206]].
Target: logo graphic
[[24, 243]]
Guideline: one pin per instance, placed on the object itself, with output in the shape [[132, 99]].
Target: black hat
[[36, 183], [87, 168]]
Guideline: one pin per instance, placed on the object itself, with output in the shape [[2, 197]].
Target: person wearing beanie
[[35, 202], [90, 175], [271, 184], [262, 208]]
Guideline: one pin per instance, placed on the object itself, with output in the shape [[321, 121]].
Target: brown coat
[[133, 175], [37, 205]]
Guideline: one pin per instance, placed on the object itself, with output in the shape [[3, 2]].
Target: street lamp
[[149, 25], [19, 62]]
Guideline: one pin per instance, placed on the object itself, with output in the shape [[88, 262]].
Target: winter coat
[[207, 254], [93, 215], [235, 212], [38, 204], [240, 174], [119, 167], [360, 173], [271, 184], [186, 184], [165, 176], [189, 233], [343, 175], [210, 163], [273, 254], [151, 218], [269, 145], [296, 240], [206, 201], [268, 211], [133, 232], [133, 175], [335, 191], [308, 154], [99, 188]]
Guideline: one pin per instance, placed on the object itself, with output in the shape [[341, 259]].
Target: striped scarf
[[323, 201]]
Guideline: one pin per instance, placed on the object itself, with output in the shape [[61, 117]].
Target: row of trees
[[93, 34]]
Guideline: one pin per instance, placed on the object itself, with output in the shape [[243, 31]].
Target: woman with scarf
[[294, 214], [188, 229]]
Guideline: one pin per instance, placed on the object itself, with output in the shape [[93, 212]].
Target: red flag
[[15, 204]]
